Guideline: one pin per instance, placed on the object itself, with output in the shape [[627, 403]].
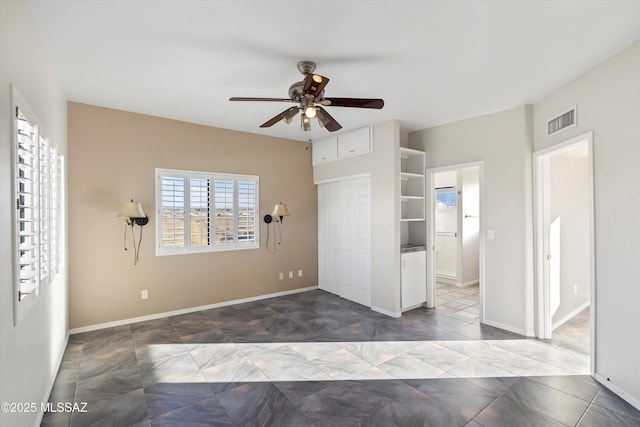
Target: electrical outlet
[[575, 288], [300, 273], [291, 275], [281, 276], [144, 294]]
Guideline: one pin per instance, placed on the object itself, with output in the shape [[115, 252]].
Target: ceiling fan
[[309, 95]]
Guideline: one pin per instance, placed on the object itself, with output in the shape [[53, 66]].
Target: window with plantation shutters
[[27, 217], [205, 211], [38, 189]]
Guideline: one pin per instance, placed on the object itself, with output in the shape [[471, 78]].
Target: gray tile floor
[[313, 359]]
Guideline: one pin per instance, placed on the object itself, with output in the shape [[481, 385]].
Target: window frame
[[212, 246], [39, 192]]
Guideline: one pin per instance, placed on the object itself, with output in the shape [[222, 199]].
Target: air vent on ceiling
[[562, 121]]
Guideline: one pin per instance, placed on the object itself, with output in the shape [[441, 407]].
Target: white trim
[[506, 327], [568, 317], [412, 307], [52, 380], [186, 310], [447, 280], [342, 178], [617, 390], [469, 283], [386, 312]]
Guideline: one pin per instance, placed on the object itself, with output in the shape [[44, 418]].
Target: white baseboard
[[448, 280], [505, 327], [617, 390], [186, 310], [570, 315], [386, 312], [413, 307], [469, 283], [52, 380]]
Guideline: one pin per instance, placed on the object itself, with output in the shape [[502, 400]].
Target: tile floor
[[313, 359]]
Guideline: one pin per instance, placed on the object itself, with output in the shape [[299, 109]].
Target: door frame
[[541, 201], [431, 227]]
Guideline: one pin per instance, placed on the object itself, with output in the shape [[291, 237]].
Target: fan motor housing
[[295, 90]]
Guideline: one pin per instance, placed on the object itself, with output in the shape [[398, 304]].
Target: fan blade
[[288, 113], [354, 102], [240, 98], [326, 120], [314, 84]]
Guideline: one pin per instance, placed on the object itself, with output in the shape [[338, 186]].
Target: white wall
[[503, 142], [569, 197], [608, 97], [30, 351], [382, 164]]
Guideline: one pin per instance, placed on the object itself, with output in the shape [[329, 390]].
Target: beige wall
[[113, 156], [608, 97], [31, 350], [503, 142]]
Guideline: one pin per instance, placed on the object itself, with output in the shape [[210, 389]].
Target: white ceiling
[[433, 62]]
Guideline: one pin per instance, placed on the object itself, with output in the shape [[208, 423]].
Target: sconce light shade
[[132, 210], [280, 210]]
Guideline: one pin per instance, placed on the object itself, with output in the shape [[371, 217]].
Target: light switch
[[491, 233]]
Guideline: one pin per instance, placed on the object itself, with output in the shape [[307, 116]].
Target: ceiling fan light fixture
[[322, 119], [310, 111], [305, 124], [317, 78], [288, 115]]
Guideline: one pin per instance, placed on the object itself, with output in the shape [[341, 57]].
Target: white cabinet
[[342, 146], [325, 150], [413, 228], [414, 279], [354, 143]]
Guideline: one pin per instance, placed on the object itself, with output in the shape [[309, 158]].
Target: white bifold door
[[344, 239]]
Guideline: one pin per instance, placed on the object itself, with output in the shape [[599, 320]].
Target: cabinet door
[[325, 150], [414, 279], [354, 143]]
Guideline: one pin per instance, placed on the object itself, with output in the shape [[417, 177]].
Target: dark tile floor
[[225, 367]]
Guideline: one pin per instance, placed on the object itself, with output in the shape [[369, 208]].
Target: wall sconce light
[[280, 210], [133, 214]]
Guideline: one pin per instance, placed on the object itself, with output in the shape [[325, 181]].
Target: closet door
[[355, 210], [344, 239], [328, 237]]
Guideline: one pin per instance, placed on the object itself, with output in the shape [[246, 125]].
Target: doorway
[[564, 242], [454, 263]]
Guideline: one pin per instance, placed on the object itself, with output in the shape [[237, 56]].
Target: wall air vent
[[562, 121]]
